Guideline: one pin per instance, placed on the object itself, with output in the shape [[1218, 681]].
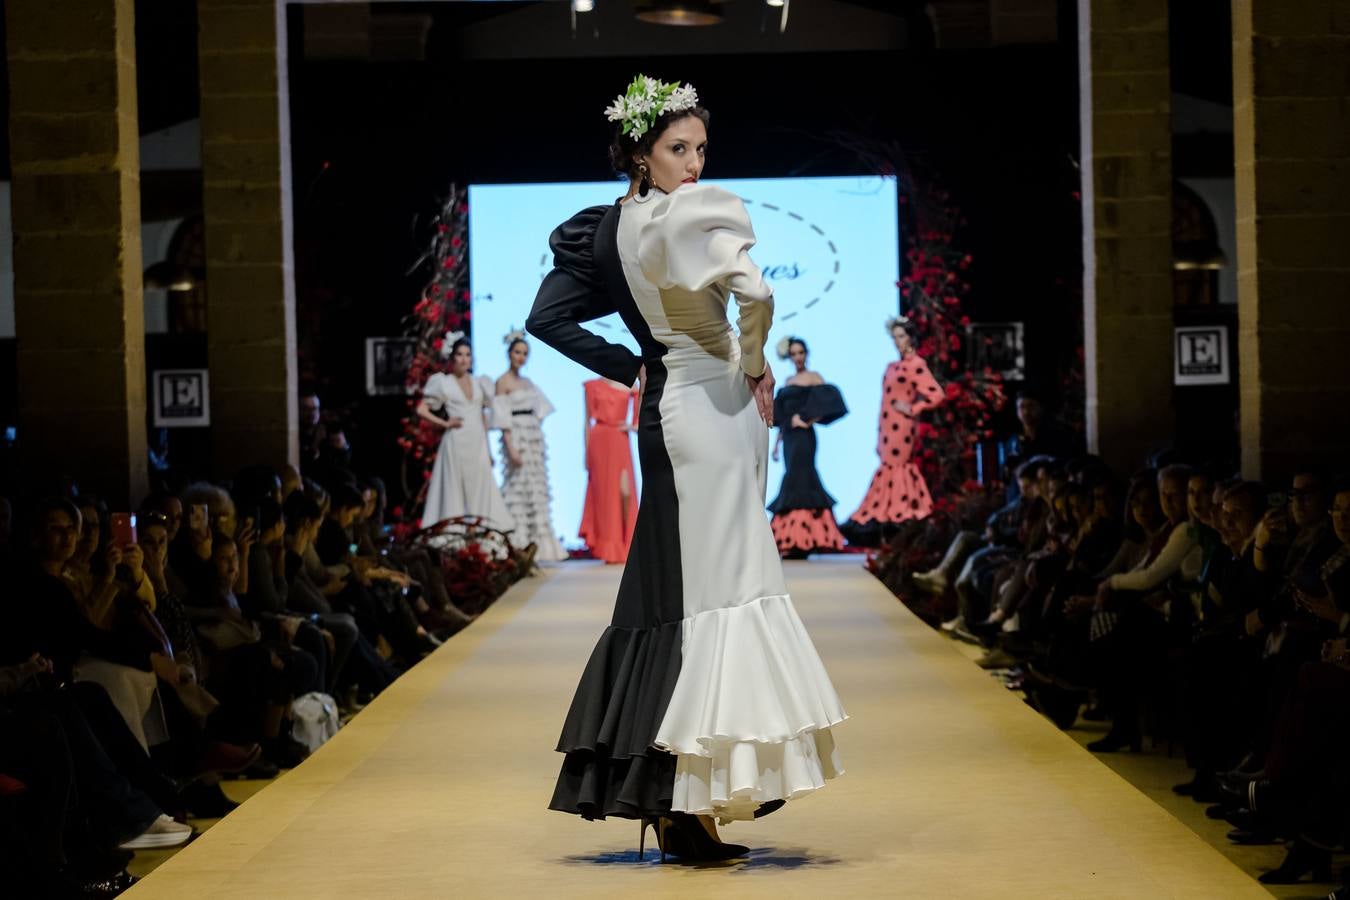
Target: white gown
[[705, 694], [525, 487], [462, 483]]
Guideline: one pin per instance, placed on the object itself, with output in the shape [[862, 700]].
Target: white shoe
[[953, 624], [163, 832]]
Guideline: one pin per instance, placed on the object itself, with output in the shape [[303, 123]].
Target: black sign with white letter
[[387, 362], [1201, 355], [181, 398]]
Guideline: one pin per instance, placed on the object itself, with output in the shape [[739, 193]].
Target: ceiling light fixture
[[583, 5], [679, 12]]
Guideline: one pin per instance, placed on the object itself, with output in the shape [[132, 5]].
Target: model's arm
[[927, 392], [573, 293], [424, 412]]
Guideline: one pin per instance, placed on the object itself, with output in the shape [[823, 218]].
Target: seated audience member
[[365, 673], [1304, 791], [372, 590], [70, 817], [255, 679], [1000, 530], [328, 638], [189, 707], [44, 635]]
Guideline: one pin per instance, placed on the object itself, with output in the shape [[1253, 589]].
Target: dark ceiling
[[166, 41]]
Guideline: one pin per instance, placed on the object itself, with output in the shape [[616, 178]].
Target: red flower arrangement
[[443, 307]]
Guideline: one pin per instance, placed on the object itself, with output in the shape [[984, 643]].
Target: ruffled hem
[[805, 530], [595, 786], [738, 776], [898, 493], [751, 710]]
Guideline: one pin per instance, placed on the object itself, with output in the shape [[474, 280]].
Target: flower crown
[[895, 322], [448, 343], [515, 334], [646, 100], [784, 347]]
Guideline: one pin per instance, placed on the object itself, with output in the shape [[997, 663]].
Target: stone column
[[79, 314], [246, 175], [1125, 100], [1291, 129]]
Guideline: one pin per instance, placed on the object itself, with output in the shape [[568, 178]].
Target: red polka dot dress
[[898, 491]]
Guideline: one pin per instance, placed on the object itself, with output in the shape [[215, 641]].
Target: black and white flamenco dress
[[705, 694]]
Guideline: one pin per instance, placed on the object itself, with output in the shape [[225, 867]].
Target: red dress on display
[[898, 491], [607, 520]]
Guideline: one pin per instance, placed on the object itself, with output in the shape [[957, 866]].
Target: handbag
[[314, 718]]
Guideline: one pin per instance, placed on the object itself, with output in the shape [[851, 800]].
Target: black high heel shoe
[[700, 846], [669, 839]]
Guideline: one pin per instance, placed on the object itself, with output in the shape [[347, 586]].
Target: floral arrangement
[[438, 319], [932, 292], [646, 100]]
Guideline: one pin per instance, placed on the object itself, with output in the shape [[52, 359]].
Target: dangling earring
[[644, 185]]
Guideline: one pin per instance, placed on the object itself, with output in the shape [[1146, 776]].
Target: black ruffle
[[611, 767], [573, 246]]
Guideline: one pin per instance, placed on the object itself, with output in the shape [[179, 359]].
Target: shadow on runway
[[763, 858]]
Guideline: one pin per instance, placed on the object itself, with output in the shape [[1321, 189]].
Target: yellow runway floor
[[954, 787]]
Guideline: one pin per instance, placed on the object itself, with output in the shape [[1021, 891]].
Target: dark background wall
[[376, 142]]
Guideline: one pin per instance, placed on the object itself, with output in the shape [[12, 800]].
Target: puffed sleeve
[[434, 389], [701, 235], [927, 392], [574, 293], [502, 412], [824, 404]]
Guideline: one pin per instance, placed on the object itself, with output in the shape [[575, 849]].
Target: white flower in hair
[[448, 343], [515, 334], [895, 322], [784, 347], [646, 100]]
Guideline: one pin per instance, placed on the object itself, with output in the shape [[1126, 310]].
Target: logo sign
[[1201, 355], [181, 398], [387, 362], [998, 346]]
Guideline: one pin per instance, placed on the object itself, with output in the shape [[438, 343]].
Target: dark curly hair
[[623, 150]]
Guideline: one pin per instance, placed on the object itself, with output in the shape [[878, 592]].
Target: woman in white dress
[[519, 412], [705, 697], [462, 483]]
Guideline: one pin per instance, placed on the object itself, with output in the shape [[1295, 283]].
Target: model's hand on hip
[[762, 389]]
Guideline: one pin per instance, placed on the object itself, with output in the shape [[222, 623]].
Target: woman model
[[803, 511], [705, 697], [519, 411], [898, 491], [461, 478], [610, 513]]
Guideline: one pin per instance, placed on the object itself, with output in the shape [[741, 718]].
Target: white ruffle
[[749, 717], [737, 777], [525, 488]]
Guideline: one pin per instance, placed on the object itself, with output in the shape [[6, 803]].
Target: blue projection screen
[[829, 246]]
